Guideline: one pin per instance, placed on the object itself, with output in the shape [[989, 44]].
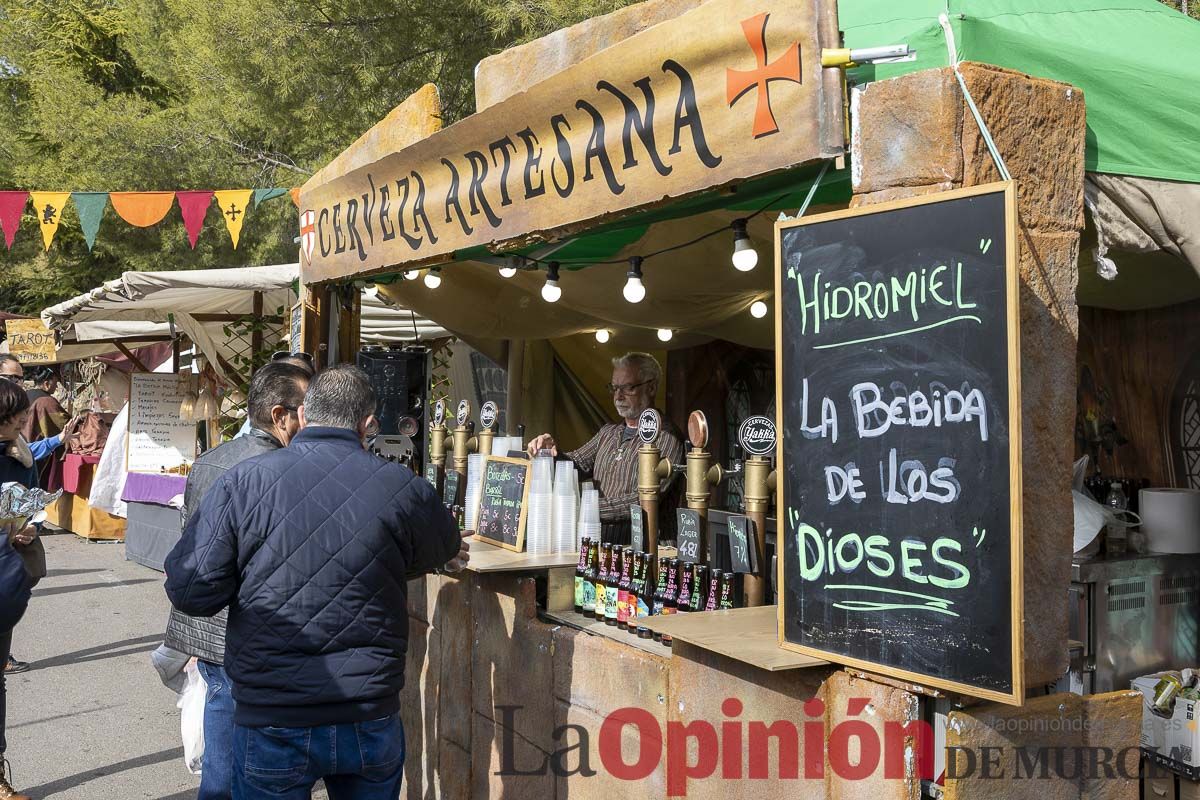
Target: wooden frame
[[1016, 535], [519, 547]]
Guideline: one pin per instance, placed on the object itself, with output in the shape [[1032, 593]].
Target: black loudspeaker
[[400, 378]]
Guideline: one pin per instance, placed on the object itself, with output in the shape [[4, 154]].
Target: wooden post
[[256, 335], [516, 383]]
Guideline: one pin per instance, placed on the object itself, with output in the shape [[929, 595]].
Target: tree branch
[[254, 154]]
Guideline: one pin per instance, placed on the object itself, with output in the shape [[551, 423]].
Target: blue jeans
[[216, 776], [358, 760]]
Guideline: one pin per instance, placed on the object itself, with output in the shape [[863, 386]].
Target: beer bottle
[[601, 581], [683, 601], [714, 590], [610, 586], [623, 586], [589, 580], [660, 589], [581, 570], [672, 593], [726, 600], [699, 581], [637, 592]]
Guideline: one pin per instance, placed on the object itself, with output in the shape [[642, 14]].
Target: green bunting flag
[[90, 206], [262, 195]]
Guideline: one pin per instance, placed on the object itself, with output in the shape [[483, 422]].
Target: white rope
[[812, 190], [952, 52]]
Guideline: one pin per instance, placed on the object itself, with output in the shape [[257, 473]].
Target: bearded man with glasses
[[610, 457]]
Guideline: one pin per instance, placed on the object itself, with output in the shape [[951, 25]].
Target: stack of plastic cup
[[566, 507], [589, 517], [539, 522], [475, 464], [501, 445]]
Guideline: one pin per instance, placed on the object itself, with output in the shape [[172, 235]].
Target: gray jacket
[[204, 637]]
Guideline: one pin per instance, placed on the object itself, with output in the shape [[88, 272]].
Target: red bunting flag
[[193, 206], [12, 205]]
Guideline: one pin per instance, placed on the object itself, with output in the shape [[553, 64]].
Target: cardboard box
[[1174, 741], [1159, 789]]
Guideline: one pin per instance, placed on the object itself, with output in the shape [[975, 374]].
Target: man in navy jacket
[[311, 548]]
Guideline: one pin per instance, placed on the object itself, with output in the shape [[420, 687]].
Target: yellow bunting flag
[[48, 206], [233, 203]]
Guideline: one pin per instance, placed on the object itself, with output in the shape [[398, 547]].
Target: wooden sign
[[450, 484], [637, 528], [898, 378], [503, 502], [743, 545], [687, 535], [661, 114], [158, 439], [30, 341]]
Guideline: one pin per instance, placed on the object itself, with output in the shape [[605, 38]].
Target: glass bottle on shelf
[[658, 604], [610, 588], [672, 593], [580, 572], [683, 601], [602, 581], [637, 590], [726, 600], [714, 590], [623, 586], [699, 582], [590, 578]]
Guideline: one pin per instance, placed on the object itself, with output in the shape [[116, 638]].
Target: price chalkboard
[[637, 528], [687, 535], [296, 328], [450, 486], [897, 369], [743, 546], [503, 502], [432, 475]]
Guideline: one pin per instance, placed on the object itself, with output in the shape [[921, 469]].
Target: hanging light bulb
[[758, 309], [551, 291], [411, 274], [510, 269], [745, 257], [665, 334], [603, 335], [433, 278], [634, 291]]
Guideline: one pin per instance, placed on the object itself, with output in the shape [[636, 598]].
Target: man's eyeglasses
[[625, 388], [280, 355]]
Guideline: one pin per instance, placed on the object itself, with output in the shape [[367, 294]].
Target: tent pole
[[516, 369]]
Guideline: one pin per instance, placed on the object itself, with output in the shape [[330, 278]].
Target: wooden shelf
[[617, 634], [749, 635], [487, 557]]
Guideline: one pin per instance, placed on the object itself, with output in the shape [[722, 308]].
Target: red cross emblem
[[784, 68], [308, 233]]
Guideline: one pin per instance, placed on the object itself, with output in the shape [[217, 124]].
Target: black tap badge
[[439, 413], [464, 413], [488, 414], [648, 426], [757, 435]]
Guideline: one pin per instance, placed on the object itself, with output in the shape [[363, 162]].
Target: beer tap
[[461, 434], [703, 475], [653, 469], [757, 437], [482, 442], [437, 442]]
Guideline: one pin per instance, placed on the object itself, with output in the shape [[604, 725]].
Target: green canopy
[[1136, 60]]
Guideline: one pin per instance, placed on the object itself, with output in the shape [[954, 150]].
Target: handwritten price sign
[[30, 341]]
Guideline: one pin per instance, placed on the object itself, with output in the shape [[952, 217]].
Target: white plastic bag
[[191, 718]]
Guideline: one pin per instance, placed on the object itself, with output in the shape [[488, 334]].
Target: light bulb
[[665, 334], [433, 278], [634, 291], [507, 272], [551, 291], [745, 257], [603, 335], [412, 274], [758, 309]]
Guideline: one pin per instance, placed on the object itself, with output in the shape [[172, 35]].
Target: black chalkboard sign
[[637, 528], [450, 486], [503, 502], [687, 535], [432, 474], [743, 546], [899, 447]]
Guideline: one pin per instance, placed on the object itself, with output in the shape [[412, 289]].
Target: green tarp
[[1137, 61]]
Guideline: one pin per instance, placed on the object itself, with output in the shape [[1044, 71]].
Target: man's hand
[[543, 442], [23, 536], [459, 562], [69, 433]]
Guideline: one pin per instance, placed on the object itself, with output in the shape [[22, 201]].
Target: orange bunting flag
[[233, 203], [142, 209], [295, 195], [48, 207]]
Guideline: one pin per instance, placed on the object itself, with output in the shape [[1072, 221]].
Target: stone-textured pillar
[[914, 135]]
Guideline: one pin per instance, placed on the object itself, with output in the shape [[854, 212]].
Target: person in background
[[610, 456], [302, 360], [311, 548], [276, 392], [16, 465]]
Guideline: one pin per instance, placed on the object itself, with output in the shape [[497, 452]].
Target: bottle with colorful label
[[623, 586], [714, 590], [610, 587], [683, 602], [580, 573]]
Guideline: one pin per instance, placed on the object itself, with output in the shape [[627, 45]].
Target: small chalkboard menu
[[898, 381], [687, 535], [743, 546], [637, 528], [450, 495], [432, 475], [503, 502]]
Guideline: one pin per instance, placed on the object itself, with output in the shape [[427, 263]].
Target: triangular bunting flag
[[193, 205], [263, 195], [295, 193], [12, 205], [90, 206], [48, 206], [142, 209], [232, 203]]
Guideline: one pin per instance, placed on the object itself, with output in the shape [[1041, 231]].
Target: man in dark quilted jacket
[[311, 548]]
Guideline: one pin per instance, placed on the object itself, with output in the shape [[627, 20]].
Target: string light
[[551, 291], [507, 272], [634, 291], [665, 334], [412, 274], [603, 335], [745, 257], [433, 278], [758, 309]]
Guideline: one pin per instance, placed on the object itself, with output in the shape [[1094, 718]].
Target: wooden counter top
[[749, 635], [487, 557]]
